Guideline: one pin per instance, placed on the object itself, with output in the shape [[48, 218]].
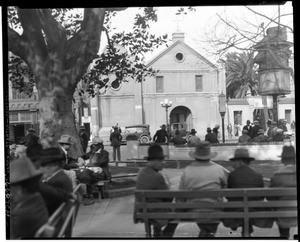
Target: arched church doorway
[[181, 119]]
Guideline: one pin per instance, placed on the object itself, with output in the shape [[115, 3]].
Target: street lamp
[[222, 110], [166, 104]]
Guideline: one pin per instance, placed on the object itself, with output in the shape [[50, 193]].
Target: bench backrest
[[61, 222], [250, 203]]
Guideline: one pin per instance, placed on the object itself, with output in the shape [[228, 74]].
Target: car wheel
[[144, 140]]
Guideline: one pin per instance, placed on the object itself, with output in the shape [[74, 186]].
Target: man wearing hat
[[178, 140], [193, 139], [244, 138], [248, 127], [202, 174], [278, 136], [242, 177], [65, 143], [31, 139], [261, 137], [211, 137], [115, 141], [84, 138], [216, 130], [27, 207], [56, 187], [286, 177], [255, 129], [149, 178], [161, 135]]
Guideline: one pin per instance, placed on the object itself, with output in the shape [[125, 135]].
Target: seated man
[[286, 177], [200, 175], [27, 207], [56, 187], [149, 178], [242, 177], [98, 168], [178, 140]]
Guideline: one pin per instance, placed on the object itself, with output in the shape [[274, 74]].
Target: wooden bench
[[102, 186], [177, 212], [61, 222]]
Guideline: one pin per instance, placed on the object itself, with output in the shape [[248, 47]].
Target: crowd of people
[[202, 174], [43, 178]]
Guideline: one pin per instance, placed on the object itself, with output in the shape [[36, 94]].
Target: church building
[[186, 78]]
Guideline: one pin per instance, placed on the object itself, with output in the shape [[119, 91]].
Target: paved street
[[113, 217]]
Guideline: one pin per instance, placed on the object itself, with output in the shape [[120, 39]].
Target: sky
[[200, 23]]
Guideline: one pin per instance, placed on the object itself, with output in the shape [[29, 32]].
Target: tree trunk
[[56, 114]]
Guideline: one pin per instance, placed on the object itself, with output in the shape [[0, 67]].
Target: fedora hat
[[65, 139], [22, 170], [288, 153], [155, 152], [202, 151], [51, 155], [97, 140], [163, 126], [193, 131], [241, 154]]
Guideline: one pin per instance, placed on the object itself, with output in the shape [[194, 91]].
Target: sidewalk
[[113, 217]]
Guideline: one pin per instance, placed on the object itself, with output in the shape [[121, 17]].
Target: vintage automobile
[[140, 132]]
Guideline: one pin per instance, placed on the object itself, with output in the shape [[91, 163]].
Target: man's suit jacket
[[56, 190]]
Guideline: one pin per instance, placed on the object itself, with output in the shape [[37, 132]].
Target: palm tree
[[241, 74]]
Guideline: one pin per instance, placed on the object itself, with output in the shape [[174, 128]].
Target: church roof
[[185, 45]]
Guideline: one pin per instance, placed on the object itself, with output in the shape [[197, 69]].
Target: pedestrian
[[31, 139], [193, 139], [286, 177], [244, 138], [28, 211], [65, 143], [201, 175], [269, 129], [84, 138], [178, 140], [115, 141], [161, 135], [229, 128], [261, 137], [242, 177], [216, 131], [211, 137], [56, 187], [248, 127], [150, 178], [255, 129]]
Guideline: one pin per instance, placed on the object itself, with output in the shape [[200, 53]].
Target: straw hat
[[241, 154], [155, 152], [97, 140], [23, 170], [202, 151], [65, 139]]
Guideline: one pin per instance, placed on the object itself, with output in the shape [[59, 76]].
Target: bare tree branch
[[272, 20]]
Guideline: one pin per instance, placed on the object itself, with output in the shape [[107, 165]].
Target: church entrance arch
[[181, 119]]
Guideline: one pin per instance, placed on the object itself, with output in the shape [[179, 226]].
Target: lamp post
[[222, 110], [166, 104]]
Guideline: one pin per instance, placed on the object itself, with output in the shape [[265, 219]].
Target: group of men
[[203, 174], [44, 178], [255, 133]]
